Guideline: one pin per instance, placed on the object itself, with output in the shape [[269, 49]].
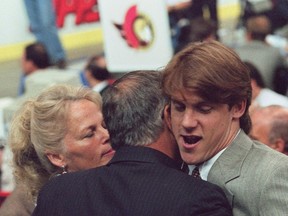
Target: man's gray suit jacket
[[254, 178]]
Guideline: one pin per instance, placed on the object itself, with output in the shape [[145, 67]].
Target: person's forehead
[[186, 96], [191, 101]]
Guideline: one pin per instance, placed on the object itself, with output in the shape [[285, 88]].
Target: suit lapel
[[228, 166]]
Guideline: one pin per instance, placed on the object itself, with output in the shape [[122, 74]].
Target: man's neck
[[167, 145]]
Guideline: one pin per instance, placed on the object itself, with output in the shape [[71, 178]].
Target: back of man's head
[[258, 27], [97, 67], [133, 109], [269, 126], [202, 29], [37, 53], [279, 126]]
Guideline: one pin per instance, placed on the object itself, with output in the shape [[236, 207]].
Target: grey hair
[[133, 109]]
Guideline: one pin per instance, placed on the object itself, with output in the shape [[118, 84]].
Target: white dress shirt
[[100, 86]]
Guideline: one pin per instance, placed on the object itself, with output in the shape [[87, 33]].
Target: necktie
[[196, 173]]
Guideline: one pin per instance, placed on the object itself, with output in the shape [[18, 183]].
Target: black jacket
[[138, 181]]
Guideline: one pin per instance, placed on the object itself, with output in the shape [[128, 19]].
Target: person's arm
[[211, 201], [17, 203], [179, 6]]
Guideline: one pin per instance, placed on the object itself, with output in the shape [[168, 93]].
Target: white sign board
[[136, 34]]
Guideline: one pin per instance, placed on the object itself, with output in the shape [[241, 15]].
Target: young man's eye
[[180, 107], [204, 108]]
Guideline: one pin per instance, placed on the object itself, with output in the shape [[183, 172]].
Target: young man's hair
[[212, 71]]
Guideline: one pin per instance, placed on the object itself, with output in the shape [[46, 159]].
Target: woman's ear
[[167, 115], [56, 159]]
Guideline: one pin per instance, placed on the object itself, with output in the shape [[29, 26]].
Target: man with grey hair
[[144, 176], [269, 126]]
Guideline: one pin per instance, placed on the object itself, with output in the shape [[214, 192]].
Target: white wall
[[13, 22]]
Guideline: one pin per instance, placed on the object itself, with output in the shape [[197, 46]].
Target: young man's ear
[[167, 115], [56, 159], [239, 109]]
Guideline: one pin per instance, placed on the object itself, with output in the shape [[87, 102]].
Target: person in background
[[17, 203], [177, 5], [97, 75], [275, 10], [202, 30], [200, 8], [144, 176], [262, 96], [267, 59], [42, 21], [177, 18], [198, 30], [269, 126], [210, 91], [60, 131], [34, 58]]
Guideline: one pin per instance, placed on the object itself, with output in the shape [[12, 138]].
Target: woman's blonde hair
[[39, 127]]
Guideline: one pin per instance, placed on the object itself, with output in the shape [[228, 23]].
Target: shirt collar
[[205, 167], [100, 86]]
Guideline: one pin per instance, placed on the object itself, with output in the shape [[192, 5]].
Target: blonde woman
[[61, 131]]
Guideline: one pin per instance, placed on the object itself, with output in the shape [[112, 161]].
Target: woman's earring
[[64, 169]]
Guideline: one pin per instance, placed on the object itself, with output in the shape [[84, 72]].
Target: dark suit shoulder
[[131, 188]]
